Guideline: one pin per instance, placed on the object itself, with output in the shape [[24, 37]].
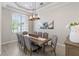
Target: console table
[[71, 49]]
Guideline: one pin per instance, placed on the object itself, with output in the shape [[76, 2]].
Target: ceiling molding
[[23, 7], [17, 10], [50, 5], [55, 5], [18, 5]]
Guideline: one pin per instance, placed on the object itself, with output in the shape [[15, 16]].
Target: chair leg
[[51, 52], [55, 53], [30, 53], [25, 50], [19, 45]]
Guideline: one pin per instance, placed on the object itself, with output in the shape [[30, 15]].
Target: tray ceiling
[[27, 6]]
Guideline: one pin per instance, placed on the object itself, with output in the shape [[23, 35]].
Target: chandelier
[[34, 15]]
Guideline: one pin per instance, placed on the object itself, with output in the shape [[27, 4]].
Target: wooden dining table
[[40, 41]]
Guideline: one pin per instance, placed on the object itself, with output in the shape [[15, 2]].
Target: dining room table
[[40, 42]]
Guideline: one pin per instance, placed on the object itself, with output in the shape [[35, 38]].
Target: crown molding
[[55, 5], [14, 9], [23, 7], [52, 5]]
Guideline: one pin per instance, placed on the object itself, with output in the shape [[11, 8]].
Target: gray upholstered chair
[[39, 34], [52, 47], [35, 33], [21, 40], [18, 37], [25, 33], [30, 47], [45, 35]]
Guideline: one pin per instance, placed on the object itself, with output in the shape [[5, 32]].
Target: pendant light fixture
[[34, 15]]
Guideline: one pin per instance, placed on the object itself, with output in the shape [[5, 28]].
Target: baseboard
[[59, 44], [8, 42], [60, 50]]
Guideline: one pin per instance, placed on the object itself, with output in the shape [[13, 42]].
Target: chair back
[[54, 40], [22, 40], [27, 42], [18, 37], [45, 35], [39, 34], [35, 33], [25, 33]]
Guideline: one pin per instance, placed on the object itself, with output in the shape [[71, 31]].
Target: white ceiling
[[27, 6], [32, 5]]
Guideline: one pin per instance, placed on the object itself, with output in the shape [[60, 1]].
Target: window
[[19, 23]]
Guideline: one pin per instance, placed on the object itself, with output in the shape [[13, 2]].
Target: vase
[[74, 34]]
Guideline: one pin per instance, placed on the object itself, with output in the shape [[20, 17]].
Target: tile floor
[[12, 49]]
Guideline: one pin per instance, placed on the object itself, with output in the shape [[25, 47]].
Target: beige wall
[[7, 34], [0, 28], [61, 15]]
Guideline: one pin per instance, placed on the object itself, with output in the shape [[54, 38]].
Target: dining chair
[[52, 47], [30, 47], [21, 40], [35, 33], [25, 32], [18, 37], [45, 35], [39, 34]]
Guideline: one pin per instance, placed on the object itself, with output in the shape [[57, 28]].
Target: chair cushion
[[34, 47]]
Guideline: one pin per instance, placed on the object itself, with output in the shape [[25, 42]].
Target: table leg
[[43, 49]]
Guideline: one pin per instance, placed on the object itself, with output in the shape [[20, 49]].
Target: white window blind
[[19, 22]]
